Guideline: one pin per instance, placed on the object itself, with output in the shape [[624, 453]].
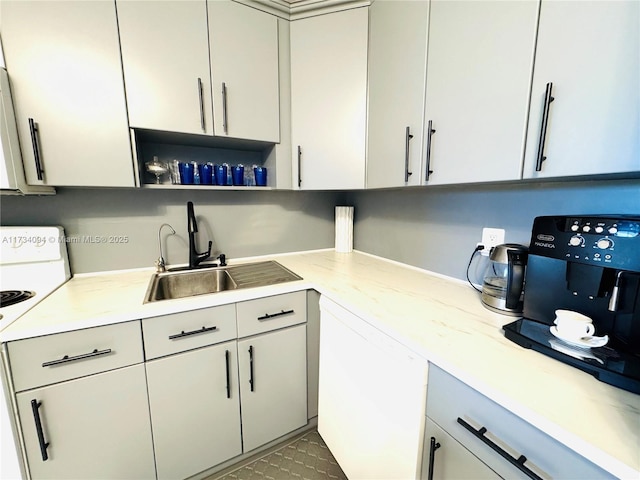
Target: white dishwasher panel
[[371, 399]]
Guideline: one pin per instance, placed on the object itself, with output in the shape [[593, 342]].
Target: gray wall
[[240, 223], [437, 228]]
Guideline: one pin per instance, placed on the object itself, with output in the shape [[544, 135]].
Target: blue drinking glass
[[186, 173], [206, 172], [221, 174], [237, 173], [261, 176]]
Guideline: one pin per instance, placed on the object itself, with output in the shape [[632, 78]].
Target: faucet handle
[[223, 260], [204, 255]]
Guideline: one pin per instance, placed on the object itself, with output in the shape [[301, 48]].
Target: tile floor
[[306, 458]]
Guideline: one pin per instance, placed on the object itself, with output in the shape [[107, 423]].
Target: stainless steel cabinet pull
[[193, 332], [299, 166], [251, 382], [543, 127], [227, 363], [432, 456], [67, 358], [35, 405], [33, 128], [225, 125], [430, 131], [408, 137], [517, 462], [267, 316], [201, 99]]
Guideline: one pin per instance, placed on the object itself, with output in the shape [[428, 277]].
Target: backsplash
[[111, 229], [437, 228]]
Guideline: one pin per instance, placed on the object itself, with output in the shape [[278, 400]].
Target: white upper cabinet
[[478, 77], [397, 69], [329, 99], [165, 57], [244, 71], [63, 59], [588, 55], [201, 67]]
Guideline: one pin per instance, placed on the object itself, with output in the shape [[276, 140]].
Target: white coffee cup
[[573, 325]]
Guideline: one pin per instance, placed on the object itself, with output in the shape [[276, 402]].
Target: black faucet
[[195, 258]]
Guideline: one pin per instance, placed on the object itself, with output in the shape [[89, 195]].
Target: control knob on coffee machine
[[604, 243], [576, 241]]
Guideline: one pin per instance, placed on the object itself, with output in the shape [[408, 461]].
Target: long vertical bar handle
[[430, 131], [543, 127], [36, 148], [251, 367], [432, 456], [225, 125], [408, 137], [201, 100], [35, 405], [228, 365], [299, 166]]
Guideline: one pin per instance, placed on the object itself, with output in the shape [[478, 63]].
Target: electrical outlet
[[490, 238]]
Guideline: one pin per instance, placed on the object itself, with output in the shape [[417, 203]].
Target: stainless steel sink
[[188, 283]]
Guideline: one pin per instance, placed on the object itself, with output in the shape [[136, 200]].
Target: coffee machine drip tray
[[609, 364]]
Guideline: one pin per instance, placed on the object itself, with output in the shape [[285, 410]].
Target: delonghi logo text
[[546, 238]]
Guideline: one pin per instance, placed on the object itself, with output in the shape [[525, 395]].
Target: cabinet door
[[165, 57], [397, 70], [66, 77], [273, 384], [371, 399], [244, 71], [195, 409], [450, 458], [328, 99], [95, 427], [589, 52], [478, 76]]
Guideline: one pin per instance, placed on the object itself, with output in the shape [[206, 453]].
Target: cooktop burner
[[11, 297]]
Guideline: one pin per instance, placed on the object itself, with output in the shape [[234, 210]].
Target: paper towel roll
[[344, 229]]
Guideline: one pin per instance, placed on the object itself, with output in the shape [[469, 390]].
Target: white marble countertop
[[439, 318]]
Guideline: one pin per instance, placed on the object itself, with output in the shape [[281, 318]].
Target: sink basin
[[188, 283], [165, 286]]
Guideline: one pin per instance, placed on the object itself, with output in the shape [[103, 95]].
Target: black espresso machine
[[589, 264]]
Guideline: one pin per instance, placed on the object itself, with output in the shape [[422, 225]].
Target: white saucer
[[584, 342], [579, 353]]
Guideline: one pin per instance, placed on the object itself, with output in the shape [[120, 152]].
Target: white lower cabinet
[[92, 427], [446, 458], [273, 384], [371, 398], [224, 381], [475, 431], [83, 409], [195, 410]]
